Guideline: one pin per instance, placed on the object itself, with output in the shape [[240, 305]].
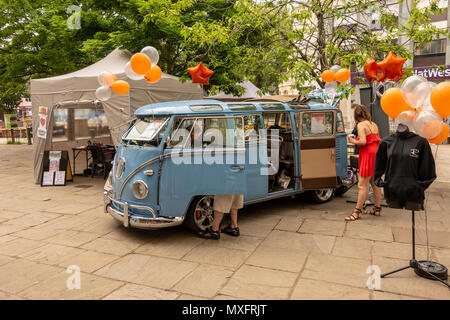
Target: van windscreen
[[147, 130]]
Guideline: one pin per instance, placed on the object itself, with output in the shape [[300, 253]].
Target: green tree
[[322, 33], [223, 34], [35, 42]]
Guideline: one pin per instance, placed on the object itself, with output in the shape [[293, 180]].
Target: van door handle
[[237, 168]]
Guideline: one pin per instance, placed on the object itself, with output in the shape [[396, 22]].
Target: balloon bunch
[[143, 65], [332, 76], [420, 105], [109, 83]]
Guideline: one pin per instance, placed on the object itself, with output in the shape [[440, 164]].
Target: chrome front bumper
[[140, 222]]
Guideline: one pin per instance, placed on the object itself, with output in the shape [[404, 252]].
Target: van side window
[[317, 124], [252, 125], [207, 132], [339, 122]]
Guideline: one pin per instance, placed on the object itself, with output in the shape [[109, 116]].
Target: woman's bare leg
[[363, 186], [376, 192]]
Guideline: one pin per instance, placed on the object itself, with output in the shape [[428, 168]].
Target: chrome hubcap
[[324, 194], [204, 213]]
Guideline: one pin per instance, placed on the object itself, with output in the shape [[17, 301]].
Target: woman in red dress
[[367, 142]]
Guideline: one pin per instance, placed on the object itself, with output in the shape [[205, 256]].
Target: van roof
[[215, 106]]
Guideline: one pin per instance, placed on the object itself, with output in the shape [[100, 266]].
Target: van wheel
[[339, 191], [320, 195], [200, 214]]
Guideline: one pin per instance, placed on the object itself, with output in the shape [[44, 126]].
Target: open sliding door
[[317, 149]]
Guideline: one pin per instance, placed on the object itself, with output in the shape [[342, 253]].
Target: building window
[[431, 47]]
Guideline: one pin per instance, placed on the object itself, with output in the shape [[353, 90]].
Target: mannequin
[[407, 164], [406, 161]]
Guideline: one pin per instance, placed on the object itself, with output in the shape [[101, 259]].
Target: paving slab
[[323, 227], [20, 274], [436, 238], [285, 259], [302, 242], [33, 219], [114, 247], [251, 282], [289, 223], [19, 246], [73, 238], [51, 254], [88, 261], [378, 232], [137, 292], [174, 245], [352, 248], [212, 254], [205, 281], [9, 228], [55, 288], [307, 289], [398, 250], [340, 270], [5, 259], [407, 283], [157, 272]]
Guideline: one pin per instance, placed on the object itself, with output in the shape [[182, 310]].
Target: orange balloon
[[342, 75], [154, 74], [393, 104], [432, 128], [140, 63], [120, 87], [441, 137], [328, 76], [440, 99]]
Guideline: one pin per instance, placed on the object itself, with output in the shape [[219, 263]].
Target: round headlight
[[120, 169], [140, 189]]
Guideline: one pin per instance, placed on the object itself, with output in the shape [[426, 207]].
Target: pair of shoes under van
[[209, 233], [231, 231]]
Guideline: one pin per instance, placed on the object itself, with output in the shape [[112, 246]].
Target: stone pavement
[[289, 248]]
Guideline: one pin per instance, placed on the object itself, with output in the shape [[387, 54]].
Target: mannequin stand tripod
[[425, 269]]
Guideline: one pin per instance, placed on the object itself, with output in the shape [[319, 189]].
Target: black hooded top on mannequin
[[406, 161]]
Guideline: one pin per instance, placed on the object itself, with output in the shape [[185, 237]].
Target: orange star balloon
[[200, 74], [371, 70], [391, 68]]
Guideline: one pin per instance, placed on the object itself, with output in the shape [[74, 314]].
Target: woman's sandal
[[375, 211], [352, 217]]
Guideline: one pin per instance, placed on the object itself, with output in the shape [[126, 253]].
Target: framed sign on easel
[[56, 170]]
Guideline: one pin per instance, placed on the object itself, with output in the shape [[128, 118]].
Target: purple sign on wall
[[428, 73], [431, 73]]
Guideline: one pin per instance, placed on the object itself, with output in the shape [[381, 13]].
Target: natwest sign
[[430, 73]]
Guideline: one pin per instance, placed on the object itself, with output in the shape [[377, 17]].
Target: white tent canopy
[[77, 89], [251, 92]]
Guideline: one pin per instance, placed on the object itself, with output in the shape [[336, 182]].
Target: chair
[[99, 160]]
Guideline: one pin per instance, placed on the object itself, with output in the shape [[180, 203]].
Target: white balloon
[[330, 88], [131, 74], [415, 90], [103, 93], [152, 53], [428, 124], [335, 68], [105, 78], [407, 118]]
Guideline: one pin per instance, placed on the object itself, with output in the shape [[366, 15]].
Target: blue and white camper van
[[161, 178]]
